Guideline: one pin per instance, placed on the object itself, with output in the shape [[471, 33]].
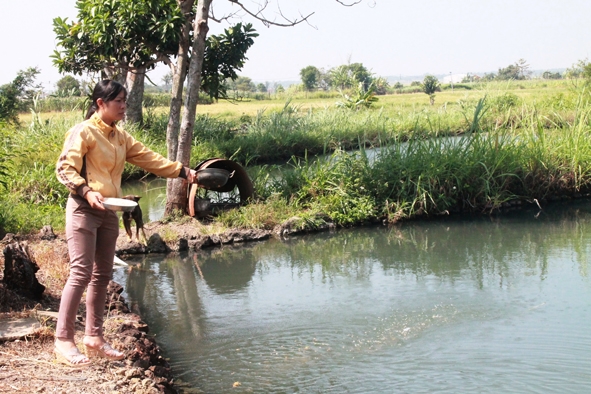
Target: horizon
[[390, 39]]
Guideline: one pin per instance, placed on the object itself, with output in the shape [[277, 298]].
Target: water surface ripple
[[487, 305]]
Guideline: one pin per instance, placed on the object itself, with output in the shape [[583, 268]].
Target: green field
[[525, 141]]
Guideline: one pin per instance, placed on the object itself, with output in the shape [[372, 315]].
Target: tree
[[179, 73], [468, 78], [576, 70], [219, 64], [489, 77], [310, 77], [430, 85], [508, 73], [68, 86], [381, 86], [360, 74], [261, 87], [517, 71], [523, 67], [244, 84], [586, 73], [167, 79], [121, 39], [551, 75], [340, 77], [176, 190], [347, 76], [16, 95], [324, 80]]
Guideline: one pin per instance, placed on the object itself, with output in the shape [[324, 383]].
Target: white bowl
[[119, 204]]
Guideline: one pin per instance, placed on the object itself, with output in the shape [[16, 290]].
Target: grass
[[474, 150]]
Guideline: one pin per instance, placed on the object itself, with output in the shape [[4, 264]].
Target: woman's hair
[[107, 90]]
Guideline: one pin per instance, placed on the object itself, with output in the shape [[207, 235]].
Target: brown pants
[[92, 238]]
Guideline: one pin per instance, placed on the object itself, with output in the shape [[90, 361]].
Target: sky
[[392, 38]]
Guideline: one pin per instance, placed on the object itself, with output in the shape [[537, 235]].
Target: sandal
[[73, 358], [105, 351]]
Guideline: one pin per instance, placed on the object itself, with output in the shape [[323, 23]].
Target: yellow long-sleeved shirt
[[105, 150]]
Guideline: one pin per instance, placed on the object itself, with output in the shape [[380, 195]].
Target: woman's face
[[112, 111]]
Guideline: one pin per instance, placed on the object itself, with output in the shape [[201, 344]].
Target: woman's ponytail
[[91, 110]]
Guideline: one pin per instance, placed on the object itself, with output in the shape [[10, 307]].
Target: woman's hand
[[192, 176], [95, 199]]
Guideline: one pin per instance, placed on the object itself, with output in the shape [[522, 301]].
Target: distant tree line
[[343, 77], [520, 70]]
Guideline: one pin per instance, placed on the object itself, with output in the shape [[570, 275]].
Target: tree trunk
[[179, 72], [178, 79], [135, 95], [176, 191]]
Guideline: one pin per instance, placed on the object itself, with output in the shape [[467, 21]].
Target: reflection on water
[[153, 196], [495, 304]]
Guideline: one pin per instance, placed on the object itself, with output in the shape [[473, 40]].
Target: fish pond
[[485, 304]]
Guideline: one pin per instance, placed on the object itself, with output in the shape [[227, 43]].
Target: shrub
[[506, 101], [16, 95]]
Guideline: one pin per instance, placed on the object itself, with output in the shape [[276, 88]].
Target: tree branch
[[224, 18], [267, 22], [349, 5], [170, 64]]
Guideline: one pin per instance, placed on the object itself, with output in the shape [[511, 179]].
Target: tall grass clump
[[34, 152], [62, 104], [560, 161], [279, 135], [274, 137], [32, 196], [474, 172]]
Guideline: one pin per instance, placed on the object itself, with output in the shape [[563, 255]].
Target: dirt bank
[[28, 364]]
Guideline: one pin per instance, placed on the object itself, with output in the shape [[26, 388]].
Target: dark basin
[[213, 178]]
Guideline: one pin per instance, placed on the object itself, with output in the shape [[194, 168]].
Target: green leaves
[[225, 54], [347, 76], [362, 98], [430, 85], [310, 77], [116, 34], [16, 95]]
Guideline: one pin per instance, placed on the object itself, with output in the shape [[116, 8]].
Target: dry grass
[[53, 257]]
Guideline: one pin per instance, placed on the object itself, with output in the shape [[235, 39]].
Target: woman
[[90, 166]]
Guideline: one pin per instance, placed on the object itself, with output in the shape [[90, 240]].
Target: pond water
[[471, 304], [152, 192]]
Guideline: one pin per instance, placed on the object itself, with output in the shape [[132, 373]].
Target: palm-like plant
[[362, 98]]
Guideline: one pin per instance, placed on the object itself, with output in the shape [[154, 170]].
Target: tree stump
[[47, 233], [19, 271]]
